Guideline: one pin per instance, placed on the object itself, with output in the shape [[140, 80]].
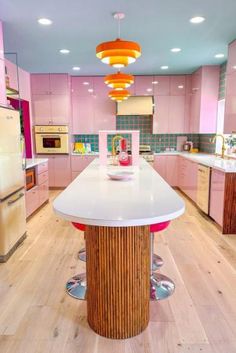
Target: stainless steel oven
[[51, 139]]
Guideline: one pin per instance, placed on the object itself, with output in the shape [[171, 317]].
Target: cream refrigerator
[[12, 192]]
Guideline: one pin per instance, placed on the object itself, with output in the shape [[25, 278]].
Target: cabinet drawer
[[43, 167], [74, 175], [32, 200], [43, 193], [43, 177]]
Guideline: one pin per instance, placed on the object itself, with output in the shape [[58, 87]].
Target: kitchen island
[[117, 215]]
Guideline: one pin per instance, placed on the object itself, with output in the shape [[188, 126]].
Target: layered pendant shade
[[119, 96], [118, 53], [119, 81]]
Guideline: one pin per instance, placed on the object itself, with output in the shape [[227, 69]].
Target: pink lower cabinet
[[38, 195], [3, 99], [167, 167], [79, 163], [217, 196], [59, 170], [187, 177]]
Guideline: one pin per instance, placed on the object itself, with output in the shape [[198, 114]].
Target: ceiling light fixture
[[197, 19], [119, 81], [76, 68], [180, 86], [164, 67], [149, 89], [45, 21], [118, 53], [175, 50], [119, 96], [90, 90], [219, 56], [154, 82], [64, 51], [85, 83]]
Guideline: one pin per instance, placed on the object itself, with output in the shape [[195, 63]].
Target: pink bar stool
[[77, 286], [161, 286]]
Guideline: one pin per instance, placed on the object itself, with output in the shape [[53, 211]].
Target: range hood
[[136, 105]]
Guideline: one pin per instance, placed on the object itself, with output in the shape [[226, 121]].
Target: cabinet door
[[230, 104], [100, 88], [3, 99], [177, 85], [160, 165], [172, 170], [51, 174], [79, 163], [162, 87], [80, 85], [82, 114], [59, 108], [143, 85], [217, 196], [231, 64], [176, 114], [43, 193], [104, 114], [32, 200], [62, 171], [1, 42], [161, 114], [40, 84], [59, 84], [192, 171], [41, 108]]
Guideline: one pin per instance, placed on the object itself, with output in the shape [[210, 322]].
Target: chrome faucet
[[223, 144]]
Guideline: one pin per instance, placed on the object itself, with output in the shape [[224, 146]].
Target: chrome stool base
[[76, 286], [82, 255], [161, 286], [157, 262]]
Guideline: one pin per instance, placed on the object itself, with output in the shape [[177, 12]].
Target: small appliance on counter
[[187, 146], [124, 158], [51, 139]]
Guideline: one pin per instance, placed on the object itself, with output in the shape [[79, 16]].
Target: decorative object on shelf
[[118, 53], [231, 143], [119, 81], [119, 96]]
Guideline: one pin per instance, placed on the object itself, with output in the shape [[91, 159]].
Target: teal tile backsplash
[[158, 142]]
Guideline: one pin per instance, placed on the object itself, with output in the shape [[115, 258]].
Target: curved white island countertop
[[93, 199]]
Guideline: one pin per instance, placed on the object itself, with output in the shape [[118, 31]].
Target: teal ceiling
[[80, 25]]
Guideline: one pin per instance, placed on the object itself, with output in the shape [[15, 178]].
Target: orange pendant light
[[118, 53], [119, 81], [119, 96]]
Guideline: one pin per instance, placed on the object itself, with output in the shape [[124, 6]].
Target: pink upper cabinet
[[178, 85], [176, 119], [161, 85], [231, 64], [40, 83], [1, 42], [230, 104], [82, 114], [104, 114], [81, 85], [11, 71], [59, 84], [99, 87], [161, 114], [143, 85], [3, 99]]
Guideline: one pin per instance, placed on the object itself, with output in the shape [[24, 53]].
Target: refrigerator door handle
[[10, 202], [23, 152]]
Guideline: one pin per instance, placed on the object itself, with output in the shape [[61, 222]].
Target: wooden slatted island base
[[117, 216]]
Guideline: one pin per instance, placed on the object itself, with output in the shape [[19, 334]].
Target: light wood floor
[[37, 316]]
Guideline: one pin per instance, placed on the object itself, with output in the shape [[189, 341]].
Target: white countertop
[[209, 160], [32, 162], [92, 198]]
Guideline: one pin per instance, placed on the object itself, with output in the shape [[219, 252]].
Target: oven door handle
[[10, 202]]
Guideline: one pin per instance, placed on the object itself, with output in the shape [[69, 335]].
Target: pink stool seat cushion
[[159, 226], [79, 226]]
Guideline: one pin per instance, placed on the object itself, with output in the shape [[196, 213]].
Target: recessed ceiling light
[[45, 21], [164, 67], [90, 90], [149, 89], [64, 51], [85, 83], [76, 68], [234, 67], [180, 86], [154, 82], [219, 56], [175, 50], [197, 19]]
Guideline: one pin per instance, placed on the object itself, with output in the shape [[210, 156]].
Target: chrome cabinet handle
[[13, 201]]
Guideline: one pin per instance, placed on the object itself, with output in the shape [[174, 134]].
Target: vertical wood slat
[[229, 218], [118, 280]]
